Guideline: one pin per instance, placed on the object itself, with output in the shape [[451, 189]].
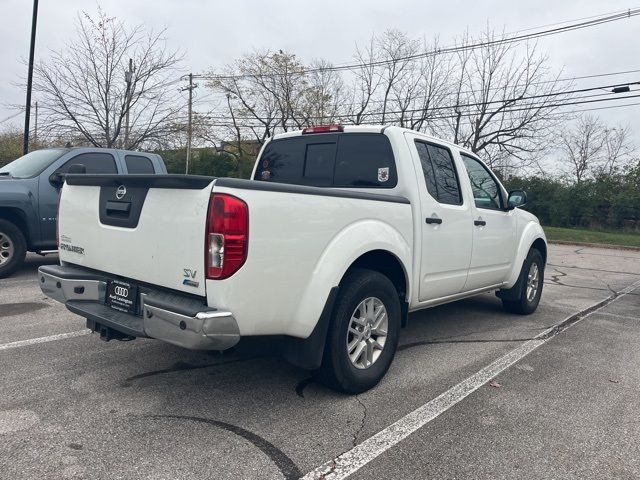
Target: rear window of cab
[[353, 160]]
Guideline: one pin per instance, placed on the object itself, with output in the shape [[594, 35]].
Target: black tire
[[515, 300], [337, 370], [13, 248]]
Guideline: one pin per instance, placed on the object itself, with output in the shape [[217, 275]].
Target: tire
[[359, 292], [520, 298], [13, 248]]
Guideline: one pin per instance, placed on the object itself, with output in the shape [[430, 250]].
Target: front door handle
[[479, 223], [433, 220]]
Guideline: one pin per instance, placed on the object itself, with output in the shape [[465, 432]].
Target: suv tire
[[363, 333], [13, 248], [523, 298]]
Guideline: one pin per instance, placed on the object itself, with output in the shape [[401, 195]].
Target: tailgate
[[149, 228]]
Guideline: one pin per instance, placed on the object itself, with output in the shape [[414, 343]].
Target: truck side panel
[[299, 248]]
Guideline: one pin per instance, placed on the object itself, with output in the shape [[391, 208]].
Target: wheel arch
[[532, 237], [19, 219], [386, 263], [540, 245]]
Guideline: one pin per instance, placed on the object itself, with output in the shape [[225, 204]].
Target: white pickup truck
[[339, 235]]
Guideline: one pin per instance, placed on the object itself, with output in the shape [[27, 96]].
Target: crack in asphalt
[[579, 315], [282, 461], [362, 422], [555, 280], [181, 367], [406, 346], [354, 441]]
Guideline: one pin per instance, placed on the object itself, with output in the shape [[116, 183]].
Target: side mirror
[[56, 179], [517, 198]]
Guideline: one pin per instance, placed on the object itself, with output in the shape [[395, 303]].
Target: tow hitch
[[107, 333]]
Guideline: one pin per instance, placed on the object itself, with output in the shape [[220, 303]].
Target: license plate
[[122, 296]]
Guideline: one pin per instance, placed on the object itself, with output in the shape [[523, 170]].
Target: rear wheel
[[524, 297], [13, 248], [363, 335]]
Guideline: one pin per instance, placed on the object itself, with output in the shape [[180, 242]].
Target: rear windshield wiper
[[8, 174]]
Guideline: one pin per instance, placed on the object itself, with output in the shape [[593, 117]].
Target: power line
[[567, 80], [12, 116], [468, 114], [467, 105], [599, 20]]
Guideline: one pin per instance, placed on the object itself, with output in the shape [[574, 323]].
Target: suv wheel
[[13, 248], [528, 290], [363, 335]]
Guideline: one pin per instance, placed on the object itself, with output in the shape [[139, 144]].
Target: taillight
[[323, 129], [58, 221], [227, 236]]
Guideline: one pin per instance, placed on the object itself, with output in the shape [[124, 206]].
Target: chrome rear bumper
[[170, 317]]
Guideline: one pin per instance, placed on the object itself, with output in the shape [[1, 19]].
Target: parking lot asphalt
[[76, 407]]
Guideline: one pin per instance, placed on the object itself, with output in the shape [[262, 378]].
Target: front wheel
[[364, 332], [13, 248], [528, 290]]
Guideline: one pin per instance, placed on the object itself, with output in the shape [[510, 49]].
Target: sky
[[214, 33]]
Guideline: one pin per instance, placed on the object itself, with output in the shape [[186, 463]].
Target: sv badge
[[189, 275]]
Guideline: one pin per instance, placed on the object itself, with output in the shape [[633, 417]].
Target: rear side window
[[330, 160], [95, 162], [138, 164], [365, 160], [439, 173]]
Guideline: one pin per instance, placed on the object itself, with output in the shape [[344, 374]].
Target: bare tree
[[618, 150], [366, 81], [432, 93], [84, 90], [397, 79], [507, 100], [322, 95], [388, 83], [267, 92], [583, 146]]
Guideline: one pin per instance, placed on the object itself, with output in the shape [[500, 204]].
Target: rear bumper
[[173, 318]]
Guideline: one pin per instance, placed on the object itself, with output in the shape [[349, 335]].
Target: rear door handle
[[433, 220], [479, 223]]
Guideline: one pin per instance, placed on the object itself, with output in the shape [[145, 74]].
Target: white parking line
[[356, 458], [50, 338]]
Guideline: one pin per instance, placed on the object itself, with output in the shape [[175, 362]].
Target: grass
[[592, 236]]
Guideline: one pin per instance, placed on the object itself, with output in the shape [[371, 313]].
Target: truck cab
[[30, 188]]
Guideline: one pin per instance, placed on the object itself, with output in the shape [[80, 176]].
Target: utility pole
[[32, 48], [190, 88], [128, 77], [35, 130]]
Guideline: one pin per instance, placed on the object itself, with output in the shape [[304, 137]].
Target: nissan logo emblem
[[121, 291], [121, 191]]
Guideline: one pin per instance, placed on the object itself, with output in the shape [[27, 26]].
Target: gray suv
[[29, 190]]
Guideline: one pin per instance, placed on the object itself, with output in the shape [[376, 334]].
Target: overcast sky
[[212, 33]]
